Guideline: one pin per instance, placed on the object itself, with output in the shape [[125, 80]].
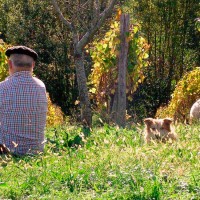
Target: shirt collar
[[21, 73]]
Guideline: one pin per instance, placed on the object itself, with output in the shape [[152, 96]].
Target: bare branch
[[96, 12], [90, 33], [62, 18]]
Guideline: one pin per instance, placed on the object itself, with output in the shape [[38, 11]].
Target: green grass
[[111, 163]]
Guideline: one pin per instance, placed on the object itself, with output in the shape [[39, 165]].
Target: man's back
[[23, 107]]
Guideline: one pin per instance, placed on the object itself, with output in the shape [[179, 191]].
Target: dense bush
[[35, 25], [186, 93], [3, 61], [55, 115]]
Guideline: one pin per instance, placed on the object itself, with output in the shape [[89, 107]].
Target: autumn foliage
[[186, 93], [55, 116], [3, 61], [105, 59]]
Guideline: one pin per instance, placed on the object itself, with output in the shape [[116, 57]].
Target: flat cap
[[21, 50]]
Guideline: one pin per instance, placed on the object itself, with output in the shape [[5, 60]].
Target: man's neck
[[20, 70]]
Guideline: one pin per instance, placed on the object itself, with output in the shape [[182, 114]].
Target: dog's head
[[158, 127]]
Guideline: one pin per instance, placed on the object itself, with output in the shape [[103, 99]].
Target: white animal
[[195, 111]]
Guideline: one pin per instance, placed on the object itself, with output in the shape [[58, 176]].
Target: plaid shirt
[[23, 108]]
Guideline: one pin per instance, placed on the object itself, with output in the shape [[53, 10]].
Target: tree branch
[[90, 33], [96, 12], [62, 18]]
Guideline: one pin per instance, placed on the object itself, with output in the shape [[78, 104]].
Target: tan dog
[[159, 129]]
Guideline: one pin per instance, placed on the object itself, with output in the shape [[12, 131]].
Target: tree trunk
[[120, 117], [97, 20], [86, 114]]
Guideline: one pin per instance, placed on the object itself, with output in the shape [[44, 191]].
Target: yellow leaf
[[119, 13], [105, 45], [93, 90], [116, 24], [96, 64], [113, 91], [135, 29], [145, 55], [130, 98]]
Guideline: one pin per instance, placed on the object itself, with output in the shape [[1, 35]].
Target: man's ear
[[10, 63], [33, 64], [148, 121], [10, 67]]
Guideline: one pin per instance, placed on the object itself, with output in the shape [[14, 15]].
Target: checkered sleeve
[[1, 96]]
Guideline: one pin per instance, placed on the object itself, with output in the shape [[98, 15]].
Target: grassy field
[[111, 163]]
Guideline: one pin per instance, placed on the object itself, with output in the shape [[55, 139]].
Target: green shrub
[[186, 93], [55, 115], [3, 61]]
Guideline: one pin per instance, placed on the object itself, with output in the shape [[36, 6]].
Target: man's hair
[[21, 60]]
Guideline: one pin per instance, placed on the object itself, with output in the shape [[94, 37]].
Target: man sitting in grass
[[23, 105]]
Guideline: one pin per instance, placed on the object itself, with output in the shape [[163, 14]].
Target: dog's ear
[[148, 121], [166, 123]]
